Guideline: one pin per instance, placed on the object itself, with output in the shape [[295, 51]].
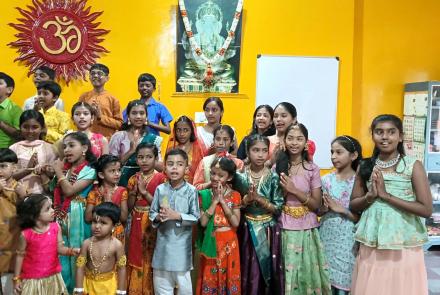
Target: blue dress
[[337, 232]]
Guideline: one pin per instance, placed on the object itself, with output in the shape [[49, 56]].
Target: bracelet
[[16, 279], [78, 290], [307, 200], [347, 212], [61, 179], [366, 199], [120, 292], [70, 251], [45, 183], [207, 214]]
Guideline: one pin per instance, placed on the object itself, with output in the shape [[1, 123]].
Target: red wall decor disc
[[60, 34]]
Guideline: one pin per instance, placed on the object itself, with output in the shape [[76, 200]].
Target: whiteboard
[[311, 85]]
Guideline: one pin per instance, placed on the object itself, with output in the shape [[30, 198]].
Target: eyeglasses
[[98, 74]]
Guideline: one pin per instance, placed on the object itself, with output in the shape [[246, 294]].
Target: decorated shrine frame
[[203, 67]]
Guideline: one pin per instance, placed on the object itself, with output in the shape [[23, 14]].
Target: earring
[[84, 153], [113, 230], [128, 122]]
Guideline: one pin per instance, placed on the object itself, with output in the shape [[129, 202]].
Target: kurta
[[57, 123], [173, 251], [111, 117]]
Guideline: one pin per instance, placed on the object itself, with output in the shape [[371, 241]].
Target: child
[[106, 106], [9, 112], [142, 237], [157, 112], [102, 255], [174, 211], [10, 193], [220, 258], [83, 117], [305, 265], [37, 267], [337, 223], [108, 170], [34, 154], [223, 138], [57, 122], [74, 178], [284, 115], [184, 137], [213, 108], [262, 124], [259, 234], [123, 143], [392, 191], [42, 74]]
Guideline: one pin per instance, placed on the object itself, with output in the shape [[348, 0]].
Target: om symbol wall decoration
[[60, 34]]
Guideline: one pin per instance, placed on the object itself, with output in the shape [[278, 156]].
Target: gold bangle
[[60, 180], [366, 199], [307, 200], [16, 279]]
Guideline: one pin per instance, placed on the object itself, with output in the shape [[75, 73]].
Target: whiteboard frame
[[322, 157]]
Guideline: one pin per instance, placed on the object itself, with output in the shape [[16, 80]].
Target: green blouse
[[385, 227]]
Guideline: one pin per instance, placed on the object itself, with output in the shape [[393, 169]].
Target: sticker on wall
[[61, 34], [208, 46]]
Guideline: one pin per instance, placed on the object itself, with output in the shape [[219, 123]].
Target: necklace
[[41, 231], [147, 178], [256, 178], [97, 266], [387, 164], [295, 167], [104, 192]]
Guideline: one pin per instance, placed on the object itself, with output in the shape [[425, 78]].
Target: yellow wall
[[143, 38], [395, 42], [381, 45]]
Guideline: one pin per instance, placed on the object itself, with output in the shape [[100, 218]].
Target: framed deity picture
[[208, 46]]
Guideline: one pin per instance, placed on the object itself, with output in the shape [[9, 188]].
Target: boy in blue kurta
[[174, 210]]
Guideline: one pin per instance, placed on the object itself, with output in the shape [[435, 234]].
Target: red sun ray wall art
[[61, 34]]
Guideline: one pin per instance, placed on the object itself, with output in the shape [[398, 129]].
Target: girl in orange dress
[[184, 137], [108, 169], [142, 236], [218, 244], [223, 144]]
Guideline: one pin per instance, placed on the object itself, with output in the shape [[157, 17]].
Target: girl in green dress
[[391, 191]]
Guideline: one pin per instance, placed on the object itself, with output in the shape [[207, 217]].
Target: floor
[[432, 261]]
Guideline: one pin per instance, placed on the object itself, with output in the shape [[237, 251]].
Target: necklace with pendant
[[97, 265], [387, 164]]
